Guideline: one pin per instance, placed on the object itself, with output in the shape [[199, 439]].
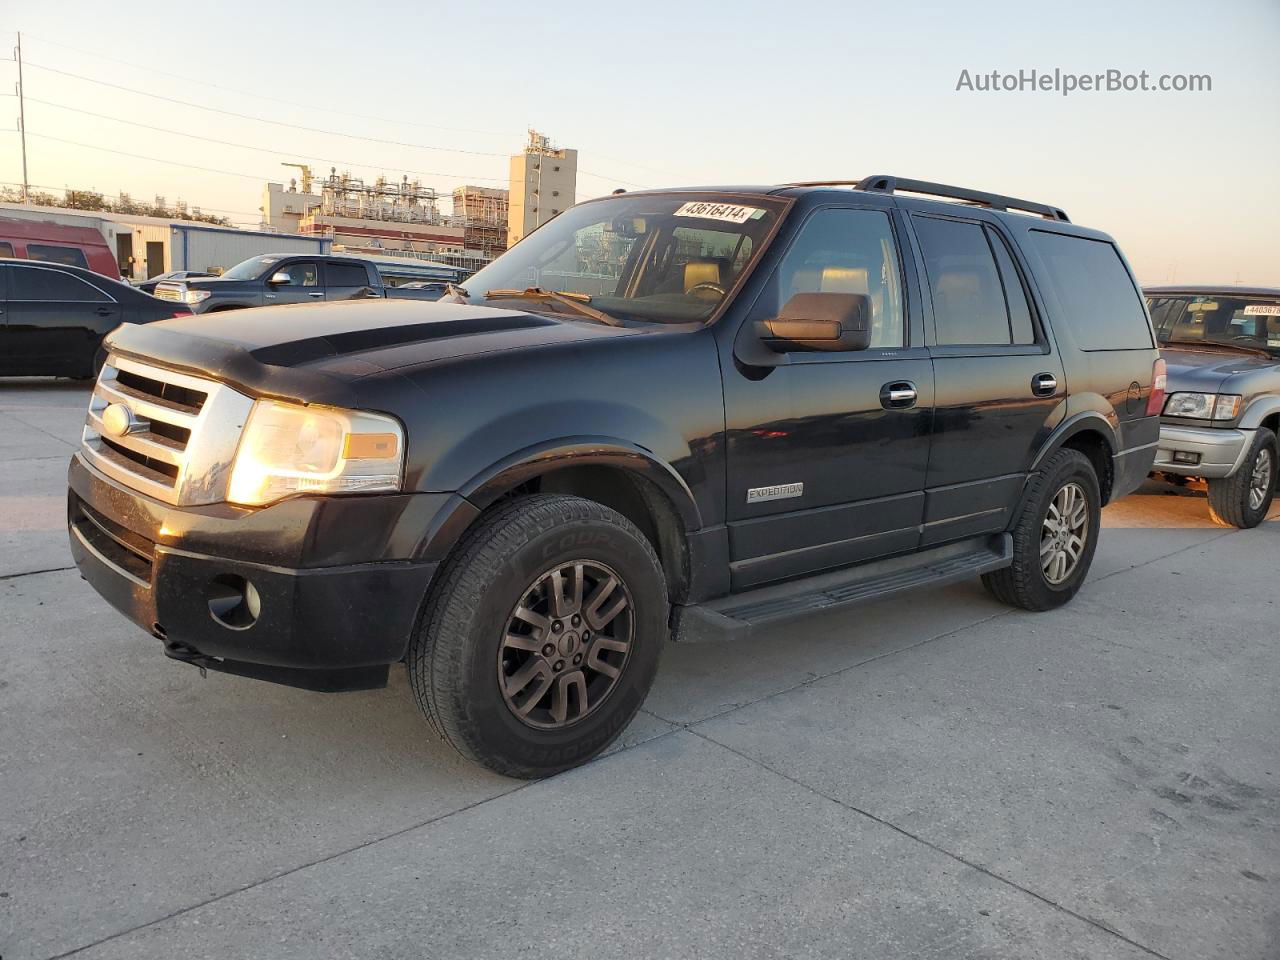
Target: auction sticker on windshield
[[1262, 310], [709, 210]]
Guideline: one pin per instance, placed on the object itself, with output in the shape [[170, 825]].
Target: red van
[[57, 243]]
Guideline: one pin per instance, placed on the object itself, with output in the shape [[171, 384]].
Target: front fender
[[1259, 410]]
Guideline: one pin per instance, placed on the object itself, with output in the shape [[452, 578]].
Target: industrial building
[[543, 182], [483, 212]]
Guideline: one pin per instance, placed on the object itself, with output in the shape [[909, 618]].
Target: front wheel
[[1054, 537], [1243, 499], [542, 637]]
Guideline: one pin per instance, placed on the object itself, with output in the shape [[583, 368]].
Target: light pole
[[22, 121]]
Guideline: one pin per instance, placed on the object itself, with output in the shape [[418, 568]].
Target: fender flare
[[489, 485], [1076, 424], [542, 458]]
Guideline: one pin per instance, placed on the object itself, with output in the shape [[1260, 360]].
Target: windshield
[[665, 258], [250, 269], [1227, 320]]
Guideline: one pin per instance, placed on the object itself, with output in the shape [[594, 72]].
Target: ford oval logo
[[117, 420]]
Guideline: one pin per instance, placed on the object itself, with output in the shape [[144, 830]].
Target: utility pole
[[22, 122]]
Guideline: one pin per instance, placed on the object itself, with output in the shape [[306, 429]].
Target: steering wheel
[[715, 288]]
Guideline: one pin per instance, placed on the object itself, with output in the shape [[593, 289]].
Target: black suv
[[687, 412]]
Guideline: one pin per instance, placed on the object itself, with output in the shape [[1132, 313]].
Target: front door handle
[[898, 395], [103, 311], [315, 294], [1044, 384]]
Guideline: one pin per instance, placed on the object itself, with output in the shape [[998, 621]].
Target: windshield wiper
[[574, 301], [1220, 344], [459, 294]]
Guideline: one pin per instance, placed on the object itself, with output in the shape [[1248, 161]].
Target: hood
[[307, 351], [1205, 371]]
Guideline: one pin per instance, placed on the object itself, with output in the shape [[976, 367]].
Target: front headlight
[[1203, 406], [196, 296], [288, 449]]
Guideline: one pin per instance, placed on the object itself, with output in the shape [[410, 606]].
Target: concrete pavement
[[933, 776]]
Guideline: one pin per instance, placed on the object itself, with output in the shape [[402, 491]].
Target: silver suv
[[1222, 349]]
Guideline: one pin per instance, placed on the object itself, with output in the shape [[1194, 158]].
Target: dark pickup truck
[[688, 413], [274, 279]]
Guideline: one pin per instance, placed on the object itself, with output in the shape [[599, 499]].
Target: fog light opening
[[234, 601], [1186, 457]]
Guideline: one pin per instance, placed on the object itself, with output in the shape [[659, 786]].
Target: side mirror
[[280, 279], [820, 321]]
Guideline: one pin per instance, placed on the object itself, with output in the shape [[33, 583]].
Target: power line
[[249, 146], [316, 106], [296, 126], [263, 96]]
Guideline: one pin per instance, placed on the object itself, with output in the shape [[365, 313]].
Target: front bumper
[[337, 581], [1217, 452]]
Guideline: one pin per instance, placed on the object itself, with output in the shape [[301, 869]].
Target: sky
[[666, 94]]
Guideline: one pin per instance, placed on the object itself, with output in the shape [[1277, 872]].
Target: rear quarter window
[[1103, 308]]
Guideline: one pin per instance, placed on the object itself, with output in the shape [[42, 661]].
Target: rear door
[[347, 281], [1000, 384], [56, 320], [301, 283]]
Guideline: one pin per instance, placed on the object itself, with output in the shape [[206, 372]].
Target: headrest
[[701, 271], [844, 280]]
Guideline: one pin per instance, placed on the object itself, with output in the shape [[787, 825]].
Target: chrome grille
[[180, 431]]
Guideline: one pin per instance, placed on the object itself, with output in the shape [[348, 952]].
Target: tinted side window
[[68, 255], [345, 275], [303, 274], [37, 284], [1104, 310], [1015, 294], [848, 251], [968, 298], [6, 249]]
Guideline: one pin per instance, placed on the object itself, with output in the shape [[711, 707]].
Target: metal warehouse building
[[148, 246]]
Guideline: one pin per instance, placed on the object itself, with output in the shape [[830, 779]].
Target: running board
[[735, 617]]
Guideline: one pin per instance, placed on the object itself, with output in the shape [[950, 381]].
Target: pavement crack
[[32, 573], [291, 870], [1054, 904]]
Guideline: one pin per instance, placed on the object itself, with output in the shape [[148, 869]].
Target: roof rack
[[882, 183]]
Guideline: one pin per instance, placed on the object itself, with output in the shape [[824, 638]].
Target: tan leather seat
[[701, 271]]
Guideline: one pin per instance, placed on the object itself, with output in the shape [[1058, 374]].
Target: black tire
[[1230, 502], [454, 660], [1026, 583]]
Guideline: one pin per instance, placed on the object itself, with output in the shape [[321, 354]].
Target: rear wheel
[[1054, 538], [1243, 499], [542, 637]]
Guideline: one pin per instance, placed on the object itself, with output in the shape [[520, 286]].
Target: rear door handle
[[315, 294], [898, 395], [1044, 384]]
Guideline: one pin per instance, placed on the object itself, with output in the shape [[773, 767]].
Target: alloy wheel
[[1260, 481], [566, 644], [1063, 534]]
